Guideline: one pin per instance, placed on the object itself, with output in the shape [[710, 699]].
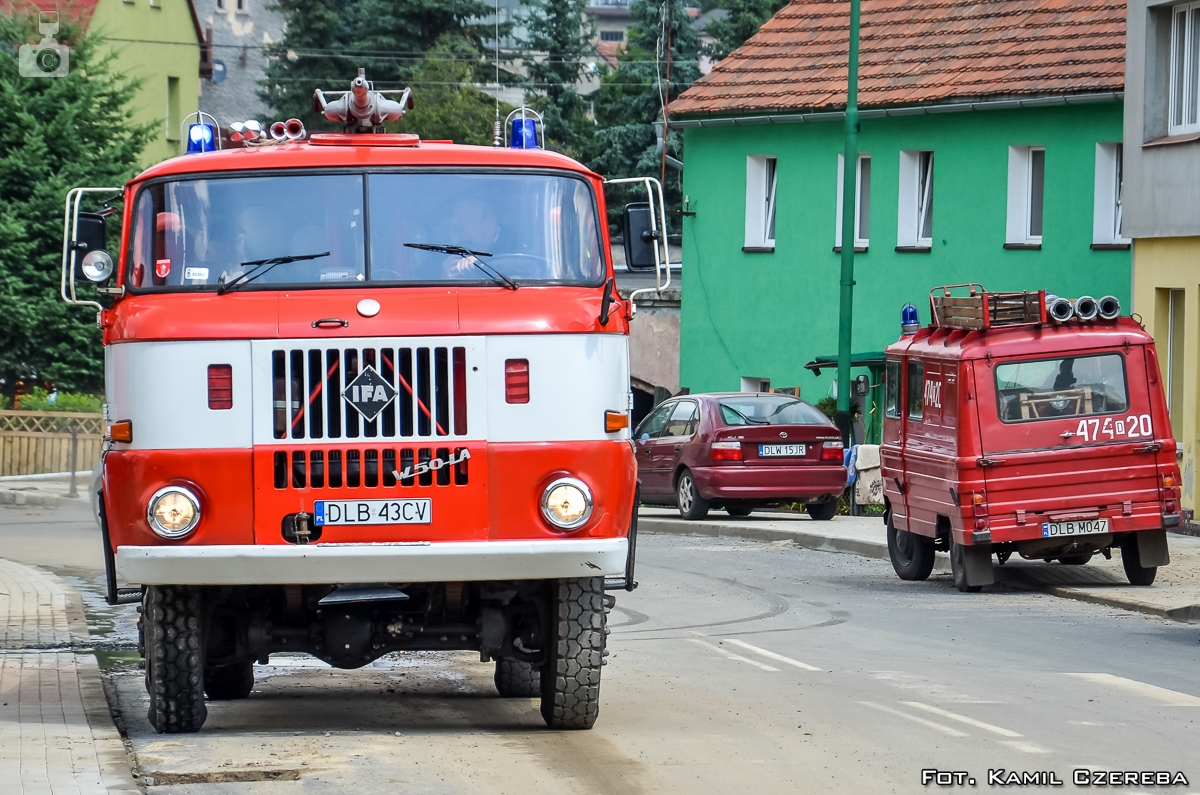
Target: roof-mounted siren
[[201, 137], [910, 321], [522, 125], [1060, 309], [290, 130], [362, 109], [1086, 308], [1109, 307]]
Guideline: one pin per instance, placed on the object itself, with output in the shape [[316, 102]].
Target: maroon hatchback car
[[739, 451]]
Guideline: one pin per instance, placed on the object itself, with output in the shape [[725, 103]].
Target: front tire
[[912, 554], [570, 681], [229, 682], [517, 679], [822, 511], [687, 497], [172, 625], [1131, 561], [958, 568]]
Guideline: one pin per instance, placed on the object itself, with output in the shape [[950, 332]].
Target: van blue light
[[524, 134], [201, 138]]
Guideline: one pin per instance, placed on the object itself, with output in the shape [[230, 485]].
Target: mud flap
[[978, 560], [1152, 548]]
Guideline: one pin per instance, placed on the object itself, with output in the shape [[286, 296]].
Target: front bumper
[[749, 482], [329, 564]]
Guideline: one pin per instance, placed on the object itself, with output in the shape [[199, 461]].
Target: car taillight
[[831, 451], [726, 451], [220, 386], [516, 381]]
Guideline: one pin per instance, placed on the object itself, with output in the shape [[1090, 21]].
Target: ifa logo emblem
[[369, 393]]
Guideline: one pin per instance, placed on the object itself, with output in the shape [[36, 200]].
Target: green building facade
[[762, 312]]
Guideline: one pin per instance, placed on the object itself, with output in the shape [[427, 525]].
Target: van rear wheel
[[1131, 561], [1075, 560], [912, 555], [958, 568]]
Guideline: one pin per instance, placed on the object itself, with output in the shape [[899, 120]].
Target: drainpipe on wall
[[843, 418]]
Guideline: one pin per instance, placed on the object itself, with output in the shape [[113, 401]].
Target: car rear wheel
[[1131, 560], [822, 511], [738, 510], [1075, 560], [687, 497], [912, 555], [958, 568]]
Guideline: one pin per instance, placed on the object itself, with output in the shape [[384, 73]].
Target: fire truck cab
[[365, 394], [1026, 423]]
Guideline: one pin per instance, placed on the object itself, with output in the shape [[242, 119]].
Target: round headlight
[[97, 266], [173, 512], [567, 503]]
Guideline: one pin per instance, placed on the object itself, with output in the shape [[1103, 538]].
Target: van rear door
[[1067, 432]]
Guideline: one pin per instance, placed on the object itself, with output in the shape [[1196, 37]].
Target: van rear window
[[1073, 386]]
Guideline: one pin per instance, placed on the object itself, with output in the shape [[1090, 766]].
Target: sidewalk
[[56, 732], [47, 490], [1175, 594]]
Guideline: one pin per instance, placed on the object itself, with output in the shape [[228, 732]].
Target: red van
[[1027, 423]]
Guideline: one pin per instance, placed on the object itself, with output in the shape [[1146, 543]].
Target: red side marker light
[[516, 381], [220, 386]]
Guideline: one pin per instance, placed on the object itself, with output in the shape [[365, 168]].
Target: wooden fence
[[33, 442]]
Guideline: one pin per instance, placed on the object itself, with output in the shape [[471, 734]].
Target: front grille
[[352, 469], [307, 387]]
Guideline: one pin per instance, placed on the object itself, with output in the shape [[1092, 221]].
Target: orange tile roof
[[918, 51]]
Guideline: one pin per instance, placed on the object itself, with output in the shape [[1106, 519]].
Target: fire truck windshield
[[200, 234]]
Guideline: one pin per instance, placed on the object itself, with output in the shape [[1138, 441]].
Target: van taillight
[[516, 381], [831, 451], [726, 451], [220, 386]]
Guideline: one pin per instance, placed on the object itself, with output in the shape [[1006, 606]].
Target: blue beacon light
[[524, 134], [201, 138], [910, 321]]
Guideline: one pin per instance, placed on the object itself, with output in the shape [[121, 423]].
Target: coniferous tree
[[449, 105], [55, 134], [744, 19], [560, 38]]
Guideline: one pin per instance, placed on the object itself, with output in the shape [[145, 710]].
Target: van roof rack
[[980, 310]]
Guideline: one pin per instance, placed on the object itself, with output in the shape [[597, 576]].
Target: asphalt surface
[[737, 666]]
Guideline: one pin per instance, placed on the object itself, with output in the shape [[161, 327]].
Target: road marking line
[[1021, 745], [978, 724], [772, 655], [733, 656], [1171, 698], [947, 729]]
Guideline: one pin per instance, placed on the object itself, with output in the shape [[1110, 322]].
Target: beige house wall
[[1159, 266]]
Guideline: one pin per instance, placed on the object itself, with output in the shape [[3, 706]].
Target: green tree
[[560, 38], [629, 100], [744, 19], [447, 105], [327, 41], [55, 134]]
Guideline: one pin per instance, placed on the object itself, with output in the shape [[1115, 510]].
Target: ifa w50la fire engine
[[365, 394], [1027, 423]]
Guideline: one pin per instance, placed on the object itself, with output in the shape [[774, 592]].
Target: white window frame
[[859, 241], [762, 178], [242, 6], [1020, 195], [1183, 71], [1106, 215], [916, 199], [751, 384]]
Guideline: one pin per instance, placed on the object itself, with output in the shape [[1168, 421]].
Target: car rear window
[[764, 410], [1073, 386]]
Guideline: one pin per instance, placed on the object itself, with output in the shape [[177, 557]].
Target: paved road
[[736, 667]]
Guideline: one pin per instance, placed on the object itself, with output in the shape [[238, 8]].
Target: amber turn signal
[[121, 431], [615, 421]]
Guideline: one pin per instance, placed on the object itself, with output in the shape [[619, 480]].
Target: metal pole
[[843, 418], [667, 92], [74, 492]]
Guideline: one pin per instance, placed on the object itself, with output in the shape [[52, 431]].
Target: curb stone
[[878, 549], [11, 497]]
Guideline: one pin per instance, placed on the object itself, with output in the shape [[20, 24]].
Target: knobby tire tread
[[518, 679], [571, 678], [173, 632]]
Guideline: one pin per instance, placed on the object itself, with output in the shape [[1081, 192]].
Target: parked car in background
[[739, 451]]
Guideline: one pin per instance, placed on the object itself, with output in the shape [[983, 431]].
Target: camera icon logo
[[47, 58]]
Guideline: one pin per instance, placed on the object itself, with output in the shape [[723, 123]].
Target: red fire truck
[[1027, 423], [365, 394]]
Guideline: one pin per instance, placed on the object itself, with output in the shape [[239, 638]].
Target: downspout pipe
[[658, 148]]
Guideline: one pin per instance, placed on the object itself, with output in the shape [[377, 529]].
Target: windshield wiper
[[260, 266], [468, 254]]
